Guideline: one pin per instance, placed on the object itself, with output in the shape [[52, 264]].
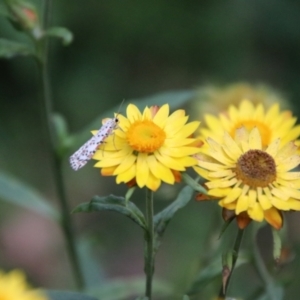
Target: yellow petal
[[273, 217], [179, 151], [231, 148], [133, 113], [203, 173], [233, 195], [273, 148], [142, 170], [256, 213], [221, 173], [280, 204], [294, 204], [108, 171], [161, 116], [126, 176], [169, 161], [242, 204], [172, 127], [289, 163], [160, 171], [252, 197], [272, 113], [153, 183], [187, 130], [212, 122], [264, 201], [221, 183], [172, 142], [255, 139], [218, 192], [126, 163], [110, 162]]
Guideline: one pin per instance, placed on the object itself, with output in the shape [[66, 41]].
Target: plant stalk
[[149, 247], [56, 161], [235, 254]]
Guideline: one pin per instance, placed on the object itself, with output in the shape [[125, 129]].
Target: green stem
[[56, 161], [235, 254], [149, 239], [268, 281]]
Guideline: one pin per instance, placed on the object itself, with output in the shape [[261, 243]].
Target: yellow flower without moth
[[149, 147], [272, 124], [13, 286], [248, 178]]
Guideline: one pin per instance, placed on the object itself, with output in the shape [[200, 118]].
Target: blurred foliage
[[133, 49]]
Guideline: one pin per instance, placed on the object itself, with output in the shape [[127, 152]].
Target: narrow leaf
[[60, 32], [62, 295], [18, 193], [225, 226], [193, 184], [114, 203], [10, 49], [162, 219], [129, 193]]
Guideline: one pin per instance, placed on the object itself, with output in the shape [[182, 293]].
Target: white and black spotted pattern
[[86, 152]]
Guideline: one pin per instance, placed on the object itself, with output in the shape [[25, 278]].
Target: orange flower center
[[145, 136], [264, 130], [256, 168]]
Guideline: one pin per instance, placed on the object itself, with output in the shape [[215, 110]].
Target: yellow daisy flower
[[249, 179], [272, 124], [148, 147], [13, 286], [215, 99]]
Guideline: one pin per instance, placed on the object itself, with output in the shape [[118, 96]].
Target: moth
[[86, 152]]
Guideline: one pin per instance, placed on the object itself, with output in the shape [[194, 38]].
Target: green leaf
[[186, 297], [225, 226], [175, 100], [62, 295], [211, 272], [92, 271], [193, 184], [128, 288], [114, 203], [129, 193], [60, 32], [3, 11], [162, 219], [10, 49], [62, 136], [18, 193], [273, 293]]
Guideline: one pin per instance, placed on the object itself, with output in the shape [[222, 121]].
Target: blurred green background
[[127, 50]]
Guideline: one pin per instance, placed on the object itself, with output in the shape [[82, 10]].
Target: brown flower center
[[256, 168]]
